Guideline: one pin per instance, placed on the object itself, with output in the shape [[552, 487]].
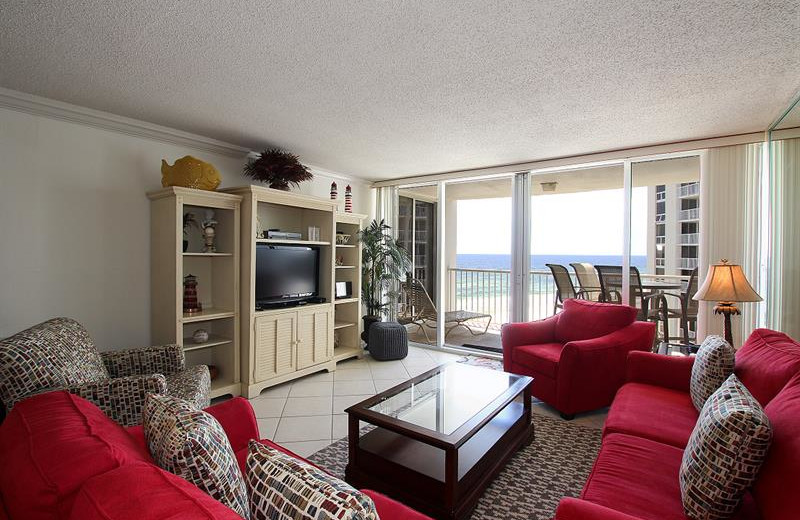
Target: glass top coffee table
[[440, 438]]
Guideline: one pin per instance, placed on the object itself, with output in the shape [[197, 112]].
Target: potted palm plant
[[383, 262]]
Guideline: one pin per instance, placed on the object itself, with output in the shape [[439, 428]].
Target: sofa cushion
[[777, 484], [712, 366], [653, 412], [542, 358], [583, 319], [724, 453], [766, 362], [149, 492], [49, 445], [55, 354], [280, 486], [192, 444], [639, 477]]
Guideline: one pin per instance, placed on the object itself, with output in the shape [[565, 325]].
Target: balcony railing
[[689, 214], [661, 217], [660, 239], [690, 239], [690, 190]]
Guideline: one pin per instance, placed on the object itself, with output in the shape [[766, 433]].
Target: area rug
[[480, 361], [530, 486]]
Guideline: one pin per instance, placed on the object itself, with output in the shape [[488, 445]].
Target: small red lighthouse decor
[[348, 199], [334, 191], [190, 303]]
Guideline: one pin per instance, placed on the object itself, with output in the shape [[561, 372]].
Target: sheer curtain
[[730, 205], [783, 281], [386, 210]]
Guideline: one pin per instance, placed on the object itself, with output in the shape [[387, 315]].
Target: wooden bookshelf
[[217, 276]]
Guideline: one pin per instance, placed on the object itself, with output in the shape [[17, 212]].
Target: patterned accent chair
[[59, 354]]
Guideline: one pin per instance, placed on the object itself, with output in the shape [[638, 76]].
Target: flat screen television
[[286, 274]]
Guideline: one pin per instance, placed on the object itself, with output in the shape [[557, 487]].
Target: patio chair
[[651, 307], [588, 280], [565, 289], [687, 313], [421, 311]]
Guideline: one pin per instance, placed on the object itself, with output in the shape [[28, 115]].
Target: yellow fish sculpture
[[190, 172]]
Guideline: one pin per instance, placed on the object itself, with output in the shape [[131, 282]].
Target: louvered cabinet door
[[275, 341], [314, 342]]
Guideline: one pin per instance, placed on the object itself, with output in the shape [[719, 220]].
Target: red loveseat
[[635, 475], [62, 458], [577, 357]]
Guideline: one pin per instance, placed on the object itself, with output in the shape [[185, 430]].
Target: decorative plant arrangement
[[278, 169], [384, 261]]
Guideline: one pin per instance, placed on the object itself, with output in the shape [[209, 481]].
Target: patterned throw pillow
[[281, 487], [191, 444], [713, 365], [727, 447]]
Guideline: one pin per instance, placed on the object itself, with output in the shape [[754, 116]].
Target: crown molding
[[40, 106]]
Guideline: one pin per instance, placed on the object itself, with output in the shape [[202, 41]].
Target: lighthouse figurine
[[334, 191], [348, 199]]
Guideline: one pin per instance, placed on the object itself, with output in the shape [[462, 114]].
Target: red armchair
[[576, 358]]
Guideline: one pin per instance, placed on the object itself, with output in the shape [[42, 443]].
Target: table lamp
[[726, 284]]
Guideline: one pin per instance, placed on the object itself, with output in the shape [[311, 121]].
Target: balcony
[[690, 190], [661, 196], [661, 217], [688, 263], [690, 239], [661, 262], [689, 215], [660, 239]]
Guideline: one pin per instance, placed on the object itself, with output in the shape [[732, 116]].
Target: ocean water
[[539, 261]]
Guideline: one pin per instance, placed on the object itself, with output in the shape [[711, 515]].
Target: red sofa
[[62, 458], [577, 357], [635, 475]]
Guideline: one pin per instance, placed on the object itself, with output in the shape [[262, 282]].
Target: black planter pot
[[368, 321]]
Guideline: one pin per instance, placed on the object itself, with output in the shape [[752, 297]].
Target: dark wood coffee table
[[440, 438]]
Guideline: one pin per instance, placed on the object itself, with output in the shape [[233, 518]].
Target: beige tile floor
[[307, 415]]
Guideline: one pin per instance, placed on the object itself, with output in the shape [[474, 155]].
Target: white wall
[[74, 223]]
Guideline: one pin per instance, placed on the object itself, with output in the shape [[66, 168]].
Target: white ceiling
[[389, 88]]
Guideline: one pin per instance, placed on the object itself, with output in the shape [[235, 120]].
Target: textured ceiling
[[388, 88]]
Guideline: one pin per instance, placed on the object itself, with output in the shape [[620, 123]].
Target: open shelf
[[345, 267], [209, 313], [345, 245], [213, 341], [292, 242], [207, 254], [343, 324], [345, 300]]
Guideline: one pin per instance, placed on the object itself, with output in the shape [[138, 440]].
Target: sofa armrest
[[163, 359], [576, 509], [238, 420], [531, 333], [122, 398], [659, 370]]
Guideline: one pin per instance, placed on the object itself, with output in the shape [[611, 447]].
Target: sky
[[589, 223]]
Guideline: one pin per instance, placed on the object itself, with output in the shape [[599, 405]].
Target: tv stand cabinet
[[282, 344]]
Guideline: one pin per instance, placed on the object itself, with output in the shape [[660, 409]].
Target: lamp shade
[[726, 283]]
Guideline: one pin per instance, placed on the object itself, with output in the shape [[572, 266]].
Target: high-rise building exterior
[[675, 213]]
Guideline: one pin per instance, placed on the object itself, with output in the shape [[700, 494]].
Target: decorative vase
[[368, 321], [190, 303], [190, 172], [209, 232]]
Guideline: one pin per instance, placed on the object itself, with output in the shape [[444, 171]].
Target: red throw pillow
[[50, 444], [583, 319]]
